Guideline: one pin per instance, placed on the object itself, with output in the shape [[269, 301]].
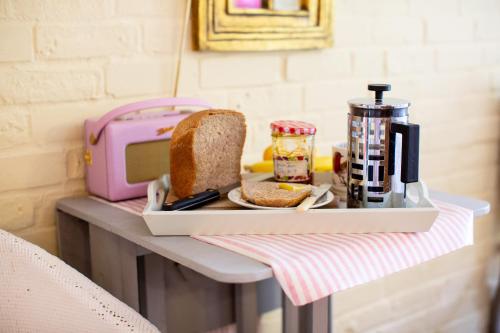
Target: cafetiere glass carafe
[[383, 150]]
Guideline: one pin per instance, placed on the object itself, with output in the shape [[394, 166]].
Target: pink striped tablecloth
[[310, 267]]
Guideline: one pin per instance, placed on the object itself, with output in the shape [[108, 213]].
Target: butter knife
[[203, 198], [199, 199], [311, 200]]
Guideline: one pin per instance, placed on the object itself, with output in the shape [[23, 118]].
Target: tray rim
[[263, 221], [218, 222], [427, 208]]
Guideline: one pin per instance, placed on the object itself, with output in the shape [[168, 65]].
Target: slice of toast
[[271, 195]]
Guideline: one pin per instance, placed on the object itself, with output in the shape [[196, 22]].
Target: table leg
[[155, 291], [178, 299], [73, 242], [494, 320], [114, 265], [313, 318], [247, 313]]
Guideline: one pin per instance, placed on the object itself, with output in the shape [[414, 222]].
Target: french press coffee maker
[[383, 151]]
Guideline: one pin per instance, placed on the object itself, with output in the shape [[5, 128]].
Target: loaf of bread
[[271, 195], [205, 151]]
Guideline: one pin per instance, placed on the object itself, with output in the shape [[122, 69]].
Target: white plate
[[235, 196]]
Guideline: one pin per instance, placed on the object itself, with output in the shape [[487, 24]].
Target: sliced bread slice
[[271, 195], [205, 151]]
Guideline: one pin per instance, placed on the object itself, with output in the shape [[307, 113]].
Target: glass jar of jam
[[293, 146]]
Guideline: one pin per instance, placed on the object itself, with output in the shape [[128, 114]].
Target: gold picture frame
[[220, 26]]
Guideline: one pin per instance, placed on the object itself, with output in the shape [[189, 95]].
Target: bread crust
[[182, 154]]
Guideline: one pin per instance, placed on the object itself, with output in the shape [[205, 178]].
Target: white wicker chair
[[40, 293]]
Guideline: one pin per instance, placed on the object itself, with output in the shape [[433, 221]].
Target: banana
[[263, 166], [321, 164]]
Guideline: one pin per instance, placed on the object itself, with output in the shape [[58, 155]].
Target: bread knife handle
[[193, 201]]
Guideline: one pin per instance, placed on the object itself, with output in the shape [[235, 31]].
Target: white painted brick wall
[[449, 29], [14, 123], [50, 10], [161, 36], [316, 65], [496, 81], [373, 8], [64, 61], [369, 63], [86, 40], [352, 31], [75, 165], [430, 8], [410, 60], [488, 29], [51, 84], [63, 122], [479, 8], [150, 8], [240, 70], [135, 78], [17, 213], [3, 9], [491, 54], [33, 170], [266, 102], [458, 57], [16, 42], [333, 95], [397, 30], [42, 236]]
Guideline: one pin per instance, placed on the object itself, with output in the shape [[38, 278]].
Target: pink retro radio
[[124, 152]]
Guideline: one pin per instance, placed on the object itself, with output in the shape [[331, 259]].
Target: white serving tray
[[226, 219]]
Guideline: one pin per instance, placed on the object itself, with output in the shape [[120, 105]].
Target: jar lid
[[379, 103], [293, 127]]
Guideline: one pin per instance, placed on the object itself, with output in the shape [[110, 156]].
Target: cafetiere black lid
[[380, 106]]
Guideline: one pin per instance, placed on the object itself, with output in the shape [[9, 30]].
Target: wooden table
[[181, 283]]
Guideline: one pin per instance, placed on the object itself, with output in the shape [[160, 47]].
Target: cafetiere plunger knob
[[379, 90]]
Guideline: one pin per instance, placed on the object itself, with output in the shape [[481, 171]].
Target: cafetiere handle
[[410, 150]]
